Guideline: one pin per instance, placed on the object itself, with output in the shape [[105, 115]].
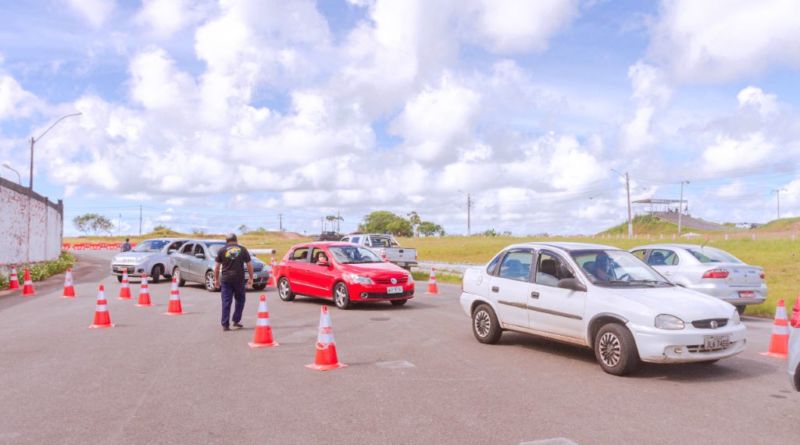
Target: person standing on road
[[126, 246], [231, 259]]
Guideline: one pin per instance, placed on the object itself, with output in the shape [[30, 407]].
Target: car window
[[176, 245], [214, 248], [383, 241], [198, 248], [318, 254], [187, 248], [662, 257], [616, 268], [551, 268], [154, 245], [491, 269], [355, 239], [517, 265], [300, 254], [639, 254], [346, 239], [354, 255], [711, 255]]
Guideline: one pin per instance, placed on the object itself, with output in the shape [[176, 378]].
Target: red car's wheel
[[285, 290], [341, 296]]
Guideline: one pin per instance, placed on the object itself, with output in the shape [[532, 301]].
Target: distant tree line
[[384, 221]]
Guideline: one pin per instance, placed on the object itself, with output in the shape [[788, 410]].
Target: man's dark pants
[[230, 292]]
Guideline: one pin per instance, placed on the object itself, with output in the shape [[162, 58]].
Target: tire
[[119, 278], [155, 274], [741, 309], [485, 326], [398, 302], [615, 349], [177, 273], [341, 296], [285, 290], [796, 381], [259, 286], [208, 282]]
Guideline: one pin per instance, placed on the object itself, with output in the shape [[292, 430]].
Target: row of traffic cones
[[27, 288], [779, 342], [102, 319], [325, 359]]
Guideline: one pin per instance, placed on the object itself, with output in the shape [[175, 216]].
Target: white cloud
[[15, 101], [729, 153], [163, 18], [156, 83], [96, 12], [765, 104], [650, 93], [719, 40], [523, 25]]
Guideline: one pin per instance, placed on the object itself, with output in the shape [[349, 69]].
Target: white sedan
[[602, 298]]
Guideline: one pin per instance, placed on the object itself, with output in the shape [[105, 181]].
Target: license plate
[[746, 294], [716, 341], [394, 290]]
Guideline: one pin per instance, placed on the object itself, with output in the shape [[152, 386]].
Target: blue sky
[[210, 115]]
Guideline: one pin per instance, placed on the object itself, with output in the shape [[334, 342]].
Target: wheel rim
[[284, 288], [210, 281], [482, 323], [610, 349], [341, 295]]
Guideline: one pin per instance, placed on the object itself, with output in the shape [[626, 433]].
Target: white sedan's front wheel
[[615, 349]]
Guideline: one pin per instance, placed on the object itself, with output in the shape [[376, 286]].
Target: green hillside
[[781, 225], [644, 225]]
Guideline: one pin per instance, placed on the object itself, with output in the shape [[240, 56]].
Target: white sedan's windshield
[[616, 268], [150, 246], [354, 254]]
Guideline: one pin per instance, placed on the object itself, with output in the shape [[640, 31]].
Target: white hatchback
[[600, 297]]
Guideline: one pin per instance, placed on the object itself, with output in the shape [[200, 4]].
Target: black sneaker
[[238, 325], [226, 328]]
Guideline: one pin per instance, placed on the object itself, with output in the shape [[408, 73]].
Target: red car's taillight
[[716, 273]]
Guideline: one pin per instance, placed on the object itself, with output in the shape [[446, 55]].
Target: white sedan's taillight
[[716, 273]]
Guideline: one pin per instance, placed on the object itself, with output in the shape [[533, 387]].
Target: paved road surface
[[416, 375]]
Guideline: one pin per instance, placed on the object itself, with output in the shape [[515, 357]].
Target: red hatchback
[[343, 272]]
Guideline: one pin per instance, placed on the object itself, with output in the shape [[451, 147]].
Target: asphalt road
[[416, 375]]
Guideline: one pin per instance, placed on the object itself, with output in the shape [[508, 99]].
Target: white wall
[[46, 223]]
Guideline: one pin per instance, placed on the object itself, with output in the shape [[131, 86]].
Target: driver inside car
[[601, 268]]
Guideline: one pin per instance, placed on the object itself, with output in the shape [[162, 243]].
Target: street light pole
[[30, 179], [19, 178], [778, 197], [628, 192], [680, 209]]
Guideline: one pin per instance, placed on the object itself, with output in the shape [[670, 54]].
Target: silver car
[[152, 256], [708, 270], [195, 262], [794, 357]]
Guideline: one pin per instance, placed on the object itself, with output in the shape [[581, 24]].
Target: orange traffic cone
[[433, 288], [263, 335], [101, 317], [326, 358], [13, 280], [69, 289], [271, 279], [125, 290], [144, 293], [27, 288], [779, 343], [174, 307], [796, 314]]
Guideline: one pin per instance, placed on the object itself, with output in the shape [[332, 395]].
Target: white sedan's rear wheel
[[485, 326]]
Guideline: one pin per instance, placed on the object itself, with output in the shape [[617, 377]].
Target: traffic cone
[[325, 359], [433, 288], [125, 290], [69, 289], [101, 317], [271, 279], [174, 306], [27, 288], [144, 293], [779, 343], [263, 335], [796, 314], [383, 255], [13, 280]]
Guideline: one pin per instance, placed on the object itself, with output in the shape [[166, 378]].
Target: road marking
[[396, 364]]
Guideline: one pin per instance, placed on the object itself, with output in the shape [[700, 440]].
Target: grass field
[[780, 257]]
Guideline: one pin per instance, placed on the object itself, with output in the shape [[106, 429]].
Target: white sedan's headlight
[[735, 318], [359, 279], [671, 322]]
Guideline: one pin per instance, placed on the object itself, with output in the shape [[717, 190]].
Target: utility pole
[[778, 197], [680, 209], [628, 192], [469, 216], [140, 220], [119, 225], [280, 222], [338, 221]]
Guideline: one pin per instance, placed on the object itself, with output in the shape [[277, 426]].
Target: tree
[[92, 222], [383, 221], [415, 220], [334, 219], [428, 228], [243, 229], [161, 228]]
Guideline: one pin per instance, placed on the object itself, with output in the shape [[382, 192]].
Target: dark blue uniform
[[233, 258]]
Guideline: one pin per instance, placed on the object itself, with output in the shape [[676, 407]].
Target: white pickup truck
[[404, 257]]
